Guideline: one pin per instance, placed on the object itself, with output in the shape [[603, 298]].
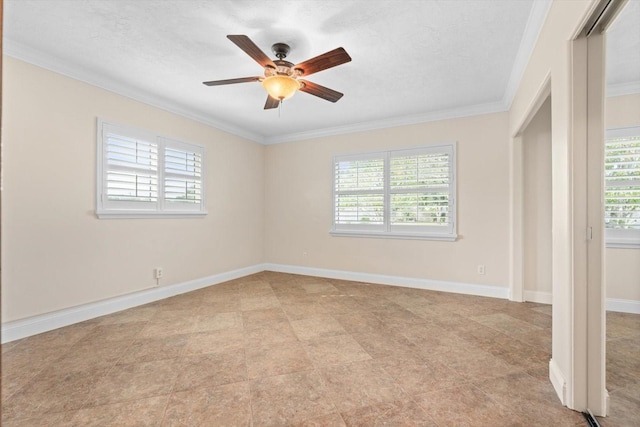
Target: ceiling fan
[[282, 79]]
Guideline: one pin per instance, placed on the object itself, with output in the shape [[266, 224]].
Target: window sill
[[622, 238], [147, 215], [378, 235], [622, 244]]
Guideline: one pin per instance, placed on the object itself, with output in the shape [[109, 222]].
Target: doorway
[[577, 367], [536, 169]]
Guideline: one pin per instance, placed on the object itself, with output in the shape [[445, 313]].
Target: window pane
[[183, 179], [131, 169], [420, 209], [359, 175], [184, 191], [622, 183], [131, 187], [183, 163], [420, 171], [622, 207], [359, 209]]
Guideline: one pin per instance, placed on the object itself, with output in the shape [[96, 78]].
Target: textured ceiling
[[623, 51], [412, 60]]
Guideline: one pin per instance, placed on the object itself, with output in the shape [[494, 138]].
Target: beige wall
[[56, 253], [536, 141], [298, 210], [622, 266]]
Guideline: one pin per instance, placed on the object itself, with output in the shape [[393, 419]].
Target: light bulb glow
[[280, 87]]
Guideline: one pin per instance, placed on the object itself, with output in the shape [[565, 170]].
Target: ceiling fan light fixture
[[281, 87], [282, 79]]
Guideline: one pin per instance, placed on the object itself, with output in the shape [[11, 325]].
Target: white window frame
[[388, 230], [161, 208], [615, 237]]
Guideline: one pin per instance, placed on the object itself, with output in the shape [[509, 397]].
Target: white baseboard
[[623, 305], [409, 282], [537, 296], [46, 322], [558, 381], [612, 304]]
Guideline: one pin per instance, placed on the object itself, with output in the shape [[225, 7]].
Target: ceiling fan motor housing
[[283, 68], [281, 50]]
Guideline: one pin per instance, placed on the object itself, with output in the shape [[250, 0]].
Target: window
[[401, 193], [142, 175], [622, 187]]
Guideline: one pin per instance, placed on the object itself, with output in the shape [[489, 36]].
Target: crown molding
[[49, 62], [532, 30], [473, 110]]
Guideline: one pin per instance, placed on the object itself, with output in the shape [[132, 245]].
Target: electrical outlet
[[158, 273], [480, 269]]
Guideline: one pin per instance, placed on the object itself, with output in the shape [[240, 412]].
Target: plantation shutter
[[131, 180], [420, 189], [143, 175], [400, 193], [359, 192], [622, 180], [182, 176]]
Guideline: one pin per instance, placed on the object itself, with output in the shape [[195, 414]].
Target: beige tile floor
[[278, 349], [623, 370]]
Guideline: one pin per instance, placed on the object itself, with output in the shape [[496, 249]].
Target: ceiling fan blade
[[320, 91], [322, 62], [250, 48], [231, 81], [271, 103]]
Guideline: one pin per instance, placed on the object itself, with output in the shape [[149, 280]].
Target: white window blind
[[132, 169], [359, 191], [401, 193], [622, 187], [182, 176], [144, 175], [420, 189]]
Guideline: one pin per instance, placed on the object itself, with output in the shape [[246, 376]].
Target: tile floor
[[276, 349], [623, 370]]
